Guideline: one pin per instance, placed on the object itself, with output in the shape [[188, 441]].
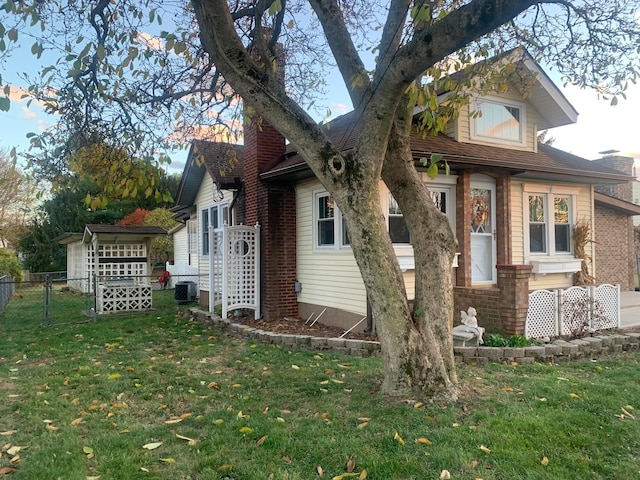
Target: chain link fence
[[46, 300]]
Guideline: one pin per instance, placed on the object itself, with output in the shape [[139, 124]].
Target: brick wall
[[274, 208], [623, 191], [614, 249], [486, 301]]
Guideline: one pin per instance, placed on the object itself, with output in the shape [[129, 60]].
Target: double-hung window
[[550, 219], [215, 216], [398, 230], [330, 230]]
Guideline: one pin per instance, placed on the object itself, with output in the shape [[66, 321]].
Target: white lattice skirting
[[112, 299], [554, 312]]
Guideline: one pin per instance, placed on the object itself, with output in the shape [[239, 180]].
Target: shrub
[[9, 265], [497, 340]]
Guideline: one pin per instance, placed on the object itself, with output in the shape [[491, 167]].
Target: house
[[511, 201]]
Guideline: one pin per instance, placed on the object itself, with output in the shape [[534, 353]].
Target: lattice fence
[[235, 268], [574, 311], [120, 298]]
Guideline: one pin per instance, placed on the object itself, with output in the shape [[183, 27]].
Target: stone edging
[[559, 351]]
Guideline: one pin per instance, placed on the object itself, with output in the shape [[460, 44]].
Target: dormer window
[[498, 121]]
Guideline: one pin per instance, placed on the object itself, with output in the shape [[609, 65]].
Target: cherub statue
[[470, 321]]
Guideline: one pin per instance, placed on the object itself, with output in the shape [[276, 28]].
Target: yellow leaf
[[295, 367], [364, 419], [185, 415], [417, 404], [191, 441], [261, 440], [398, 438], [218, 421], [507, 389], [224, 467], [363, 475], [424, 441], [445, 475], [246, 430], [113, 376], [8, 432], [152, 446], [362, 425], [574, 395], [144, 469], [173, 420], [485, 449], [544, 461], [87, 449], [168, 460], [49, 426], [455, 425]]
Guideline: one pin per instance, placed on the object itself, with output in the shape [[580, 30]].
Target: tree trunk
[[428, 351]]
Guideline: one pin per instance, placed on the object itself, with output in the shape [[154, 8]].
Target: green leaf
[[432, 171], [5, 104], [275, 8]]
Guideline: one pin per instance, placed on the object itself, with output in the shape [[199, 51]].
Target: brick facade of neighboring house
[[613, 227]]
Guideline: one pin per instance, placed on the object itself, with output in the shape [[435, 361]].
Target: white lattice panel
[[216, 262], [125, 269], [122, 250], [542, 316], [112, 299], [574, 311], [242, 253], [607, 299]]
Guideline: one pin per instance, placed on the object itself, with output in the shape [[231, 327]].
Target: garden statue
[[470, 323]]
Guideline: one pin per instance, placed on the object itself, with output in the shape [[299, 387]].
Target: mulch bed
[[297, 326]]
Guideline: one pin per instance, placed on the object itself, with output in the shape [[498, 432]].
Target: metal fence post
[[47, 316]]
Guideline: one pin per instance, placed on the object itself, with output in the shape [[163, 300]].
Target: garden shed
[[114, 261]]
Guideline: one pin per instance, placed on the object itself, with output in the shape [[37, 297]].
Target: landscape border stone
[[560, 351]]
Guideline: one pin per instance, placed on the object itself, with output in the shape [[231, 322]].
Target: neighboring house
[[511, 201], [614, 212]]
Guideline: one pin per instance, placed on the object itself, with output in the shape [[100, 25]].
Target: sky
[[600, 126]]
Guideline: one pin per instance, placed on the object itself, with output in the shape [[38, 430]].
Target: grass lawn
[[155, 396]]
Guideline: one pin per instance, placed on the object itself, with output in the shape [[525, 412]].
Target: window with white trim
[[215, 216], [498, 121], [330, 230], [398, 230], [549, 223]]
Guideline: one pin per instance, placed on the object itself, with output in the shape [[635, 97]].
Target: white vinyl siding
[[328, 278]]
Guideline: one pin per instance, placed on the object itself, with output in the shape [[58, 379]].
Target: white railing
[[573, 311]]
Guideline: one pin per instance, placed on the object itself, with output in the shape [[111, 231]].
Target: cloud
[[28, 114]]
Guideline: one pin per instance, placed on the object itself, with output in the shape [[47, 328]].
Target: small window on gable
[[498, 121]]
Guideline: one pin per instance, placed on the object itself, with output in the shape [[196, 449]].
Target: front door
[[483, 229]]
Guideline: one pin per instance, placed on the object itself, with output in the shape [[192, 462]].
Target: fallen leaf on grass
[[351, 464], [544, 461], [168, 460], [417, 404], [8, 432], [224, 467], [445, 475], [625, 412], [295, 367], [6, 470], [261, 440], [152, 445], [15, 449], [218, 421], [246, 430], [320, 471], [286, 459], [77, 421], [574, 395], [398, 438], [362, 425], [172, 421], [190, 441], [424, 441], [485, 449], [214, 385], [114, 376]]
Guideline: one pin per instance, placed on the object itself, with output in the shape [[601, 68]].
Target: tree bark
[[428, 351]]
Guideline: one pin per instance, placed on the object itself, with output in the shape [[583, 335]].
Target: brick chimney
[[623, 191], [274, 207]]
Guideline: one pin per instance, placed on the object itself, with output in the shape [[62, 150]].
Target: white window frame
[[218, 210], [549, 193], [339, 227], [474, 107]]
